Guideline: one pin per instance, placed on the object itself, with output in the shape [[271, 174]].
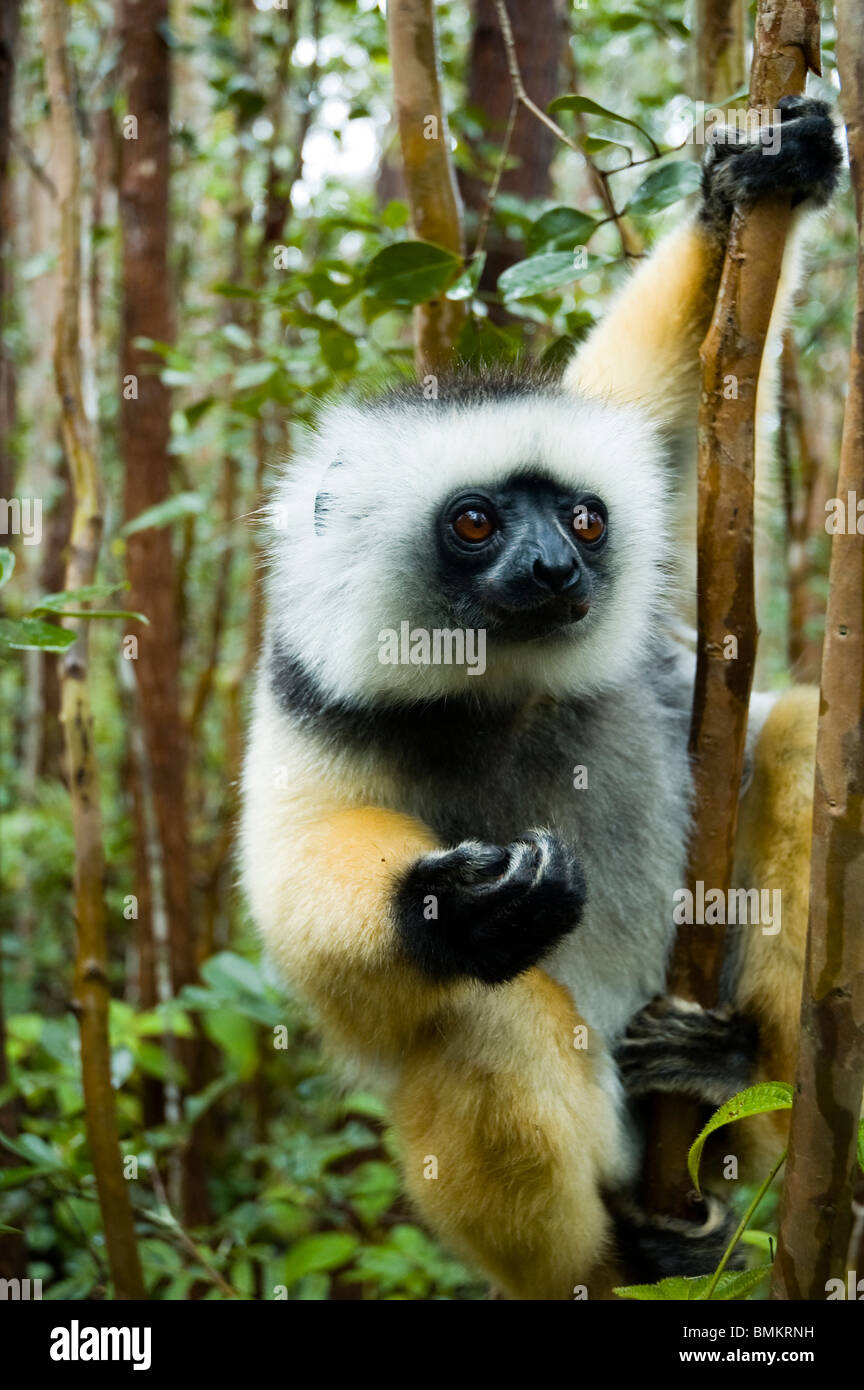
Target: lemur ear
[[324, 498]]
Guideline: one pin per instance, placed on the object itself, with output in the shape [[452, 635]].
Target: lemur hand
[[675, 1045], [800, 159], [486, 912]]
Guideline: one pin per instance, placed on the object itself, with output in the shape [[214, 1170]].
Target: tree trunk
[[821, 1172], [436, 212], [719, 51], [538, 30], [145, 412], [9, 21], [786, 44], [91, 972]]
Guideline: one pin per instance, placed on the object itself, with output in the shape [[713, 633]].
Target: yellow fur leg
[[506, 1136], [773, 853]]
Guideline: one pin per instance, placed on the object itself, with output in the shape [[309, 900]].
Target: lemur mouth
[[552, 619]]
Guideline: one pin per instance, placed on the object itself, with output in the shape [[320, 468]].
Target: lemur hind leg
[[508, 1140], [675, 1045]]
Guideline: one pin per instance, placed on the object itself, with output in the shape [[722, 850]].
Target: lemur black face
[[524, 559]]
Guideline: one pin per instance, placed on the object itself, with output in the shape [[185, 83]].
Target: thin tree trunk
[[9, 21], [152, 1087], [821, 1172], [719, 51], [49, 736], [13, 1251], [436, 211], [91, 977], [786, 45], [538, 31], [145, 412]]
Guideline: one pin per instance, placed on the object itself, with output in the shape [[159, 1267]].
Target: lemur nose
[[555, 577]]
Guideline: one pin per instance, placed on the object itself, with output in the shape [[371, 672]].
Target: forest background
[[231, 174]]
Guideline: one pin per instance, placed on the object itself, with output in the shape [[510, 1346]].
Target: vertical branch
[[816, 1206], [436, 211], [719, 54], [91, 974], [526, 148], [9, 23], [145, 415], [786, 45]]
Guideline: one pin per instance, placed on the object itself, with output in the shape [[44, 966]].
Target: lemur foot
[[486, 912], [655, 1247], [675, 1045], [799, 159]]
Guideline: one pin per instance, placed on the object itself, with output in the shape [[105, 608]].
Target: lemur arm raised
[[645, 351]]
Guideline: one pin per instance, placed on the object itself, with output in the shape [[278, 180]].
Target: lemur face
[[538, 521], [526, 558]]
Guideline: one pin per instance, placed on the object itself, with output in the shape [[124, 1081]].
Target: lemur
[[468, 874]]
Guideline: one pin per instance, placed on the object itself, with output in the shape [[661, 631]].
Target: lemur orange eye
[[473, 525], [589, 524]]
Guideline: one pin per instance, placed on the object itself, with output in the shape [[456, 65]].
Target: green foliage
[[302, 1177], [755, 1100], [29, 634], [410, 273], [683, 1289], [176, 508], [592, 108], [544, 272], [665, 185]]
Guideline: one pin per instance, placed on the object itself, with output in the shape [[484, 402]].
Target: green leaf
[[98, 613], [228, 973], [395, 214], [559, 229], [596, 144], [734, 1284], [327, 1250], [665, 186], [254, 374], [756, 1100], [339, 349], [236, 1036], [35, 1150], [861, 1145], [175, 508], [410, 272], [237, 336], [7, 565], [591, 108], [681, 1288], [198, 409], [466, 286], [544, 272], [626, 20], [29, 634], [229, 291], [55, 603]]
